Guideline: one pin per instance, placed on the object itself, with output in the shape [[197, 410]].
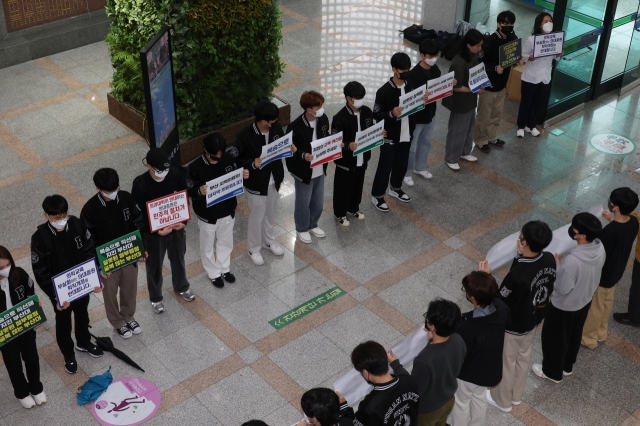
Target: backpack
[[415, 33], [442, 40]]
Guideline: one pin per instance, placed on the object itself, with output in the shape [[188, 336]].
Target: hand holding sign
[[226, 186], [549, 44], [326, 149], [277, 150], [396, 111], [412, 102]]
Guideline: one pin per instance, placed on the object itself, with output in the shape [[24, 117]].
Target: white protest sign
[[440, 87], [76, 282], [478, 78], [224, 187], [326, 149], [277, 150], [168, 210], [412, 102], [548, 44], [369, 138]]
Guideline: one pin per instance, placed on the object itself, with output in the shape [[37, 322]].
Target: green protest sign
[[369, 139], [307, 307], [20, 318], [120, 252]]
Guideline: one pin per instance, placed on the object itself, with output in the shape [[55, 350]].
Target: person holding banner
[[16, 286], [108, 215], [216, 220], [313, 124], [463, 102], [58, 245]]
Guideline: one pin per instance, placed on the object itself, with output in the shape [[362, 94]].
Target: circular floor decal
[[610, 143], [127, 401]]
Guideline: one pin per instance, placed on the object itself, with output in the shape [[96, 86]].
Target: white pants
[[470, 408], [216, 263], [261, 219]]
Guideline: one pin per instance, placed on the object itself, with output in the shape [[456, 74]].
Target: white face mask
[[430, 61], [161, 174], [320, 113], [110, 196], [357, 103], [59, 224], [5, 272], [548, 27]]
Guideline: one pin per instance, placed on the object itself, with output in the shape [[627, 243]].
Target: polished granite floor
[[217, 360]]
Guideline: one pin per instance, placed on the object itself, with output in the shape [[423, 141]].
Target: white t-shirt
[[405, 136], [4, 285], [538, 71], [359, 157], [266, 141], [317, 170]]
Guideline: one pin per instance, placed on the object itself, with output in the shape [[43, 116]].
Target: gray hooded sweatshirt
[[578, 276]]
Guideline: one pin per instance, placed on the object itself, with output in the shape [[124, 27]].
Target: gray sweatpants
[[459, 136]]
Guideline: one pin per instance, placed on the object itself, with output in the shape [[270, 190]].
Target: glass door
[[631, 76]]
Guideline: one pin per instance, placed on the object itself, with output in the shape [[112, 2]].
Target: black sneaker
[[229, 277], [124, 332], [134, 327], [217, 282], [91, 349], [484, 148], [400, 195], [498, 142], [380, 204], [623, 318], [342, 220], [71, 366]]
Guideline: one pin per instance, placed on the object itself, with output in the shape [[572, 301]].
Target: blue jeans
[[309, 202], [420, 147]]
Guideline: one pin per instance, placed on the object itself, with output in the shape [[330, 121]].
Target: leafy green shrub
[[225, 55]]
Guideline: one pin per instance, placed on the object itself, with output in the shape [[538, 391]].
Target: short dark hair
[[537, 234], [473, 37], [370, 356], [106, 179], [266, 110], [506, 17], [355, 90], [538, 22], [214, 143], [625, 198], [429, 47], [55, 204], [587, 224], [254, 422], [323, 404], [481, 286], [400, 61], [444, 315]]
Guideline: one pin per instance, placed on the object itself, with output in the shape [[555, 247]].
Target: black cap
[[158, 159]]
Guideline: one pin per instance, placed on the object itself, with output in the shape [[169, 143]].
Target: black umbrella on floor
[[106, 344]]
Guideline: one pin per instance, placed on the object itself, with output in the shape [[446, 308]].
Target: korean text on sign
[[20, 318], [76, 282], [478, 78], [369, 139], [548, 44], [326, 149], [412, 102], [169, 210], [440, 87], [120, 252], [225, 187], [277, 150]]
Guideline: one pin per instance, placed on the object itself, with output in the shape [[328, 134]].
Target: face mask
[[610, 205], [59, 224], [5, 272], [357, 103], [403, 75], [507, 29], [430, 61], [306, 420], [162, 174], [111, 196], [320, 113], [572, 233], [548, 27]]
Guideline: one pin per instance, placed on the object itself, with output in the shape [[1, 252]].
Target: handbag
[[415, 33]]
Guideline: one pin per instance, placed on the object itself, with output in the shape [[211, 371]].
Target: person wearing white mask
[[15, 287], [535, 78], [110, 214], [162, 180]]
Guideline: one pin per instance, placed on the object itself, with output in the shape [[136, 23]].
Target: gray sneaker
[[158, 307], [188, 296]]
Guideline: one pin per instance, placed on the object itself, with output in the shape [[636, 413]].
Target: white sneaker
[[408, 180], [425, 174], [28, 402], [305, 237], [469, 158], [256, 258], [492, 402], [516, 402], [537, 370], [274, 248], [534, 132], [40, 398], [318, 232], [453, 166], [520, 133]]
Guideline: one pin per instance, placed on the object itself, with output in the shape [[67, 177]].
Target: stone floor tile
[[250, 354], [189, 412], [357, 261], [300, 287]]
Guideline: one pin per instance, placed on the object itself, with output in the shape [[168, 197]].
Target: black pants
[[25, 347], [174, 245], [561, 336], [79, 308], [531, 97], [347, 190], [393, 161], [634, 293]]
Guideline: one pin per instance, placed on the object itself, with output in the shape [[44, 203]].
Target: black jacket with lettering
[[302, 135], [418, 77], [249, 143], [202, 171], [387, 98], [345, 121], [19, 290], [106, 221], [491, 59]]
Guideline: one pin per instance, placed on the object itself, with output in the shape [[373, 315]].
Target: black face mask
[[212, 159], [403, 75], [572, 233], [506, 29]]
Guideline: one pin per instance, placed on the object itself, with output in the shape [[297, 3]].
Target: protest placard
[[369, 139], [412, 102], [120, 252], [510, 53], [76, 282], [326, 149], [440, 87], [277, 150], [225, 187], [168, 210], [548, 44], [478, 78], [20, 318]]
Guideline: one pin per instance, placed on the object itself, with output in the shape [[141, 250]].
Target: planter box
[[189, 149]]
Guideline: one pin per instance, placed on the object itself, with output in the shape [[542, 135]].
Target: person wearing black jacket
[[350, 169], [162, 179], [218, 219], [262, 186], [321, 407], [60, 244], [482, 330], [313, 124], [110, 214], [491, 104], [15, 287], [394, 153]]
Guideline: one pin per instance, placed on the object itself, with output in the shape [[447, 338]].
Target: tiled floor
[[217, 360]]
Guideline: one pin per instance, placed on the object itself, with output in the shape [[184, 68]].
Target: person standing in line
[[217, 220], [535, 78], [491, 104], [617, 238], [160, 180], [577, 279], [525, 290], [262, 186], [15, 287], [462, 103], [312, 125], [321, 407], [632, 316], [110, 214]]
